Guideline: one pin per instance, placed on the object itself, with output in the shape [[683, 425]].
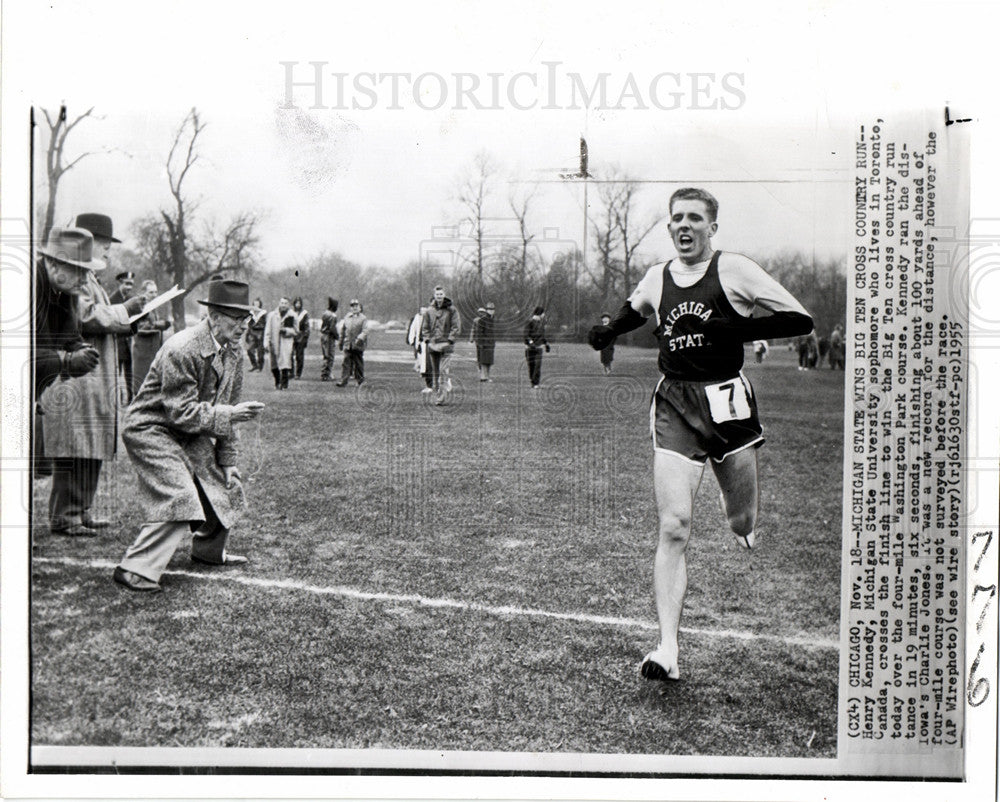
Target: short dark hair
[[539, 310], [695, 193]]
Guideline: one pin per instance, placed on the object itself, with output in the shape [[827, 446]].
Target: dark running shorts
[[698, 420]]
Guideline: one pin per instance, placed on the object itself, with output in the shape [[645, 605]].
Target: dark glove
[[600, 337], [625, 320], [79, 363], [547, 349], [134, 305]]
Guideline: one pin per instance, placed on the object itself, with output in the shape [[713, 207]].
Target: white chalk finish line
[[804, 641]]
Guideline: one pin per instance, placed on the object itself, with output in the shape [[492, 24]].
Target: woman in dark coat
[[484, 336]]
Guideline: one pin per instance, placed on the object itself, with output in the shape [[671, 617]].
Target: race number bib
[[728, 400]]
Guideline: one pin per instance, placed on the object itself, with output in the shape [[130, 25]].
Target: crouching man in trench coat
[[179, 434]]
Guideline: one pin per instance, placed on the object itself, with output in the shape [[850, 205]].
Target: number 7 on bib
[[729, 400]]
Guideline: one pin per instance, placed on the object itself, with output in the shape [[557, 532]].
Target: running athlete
[[707, 304]]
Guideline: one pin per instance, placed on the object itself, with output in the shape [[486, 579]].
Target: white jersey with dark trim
[[748, 287]]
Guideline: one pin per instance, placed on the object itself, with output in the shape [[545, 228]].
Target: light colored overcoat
[[279, 340], [80, 415], [178, 430]]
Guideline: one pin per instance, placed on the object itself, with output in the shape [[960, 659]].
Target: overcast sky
[[373, 180]]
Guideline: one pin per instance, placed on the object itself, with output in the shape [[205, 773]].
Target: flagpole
[[583, 260]]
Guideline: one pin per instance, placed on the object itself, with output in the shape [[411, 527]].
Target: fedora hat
[[229, 294], [72, 246], [97, 224]]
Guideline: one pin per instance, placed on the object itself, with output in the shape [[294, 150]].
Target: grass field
[[476, 576]]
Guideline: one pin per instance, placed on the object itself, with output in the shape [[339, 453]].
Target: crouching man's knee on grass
[[707, 304]]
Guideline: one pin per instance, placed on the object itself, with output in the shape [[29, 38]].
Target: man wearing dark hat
[[126, 284], [60, 352], [180, 435], [81, 414]]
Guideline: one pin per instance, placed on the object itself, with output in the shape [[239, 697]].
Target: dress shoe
[[74, 530], [135, 582], [95, 523], [227, 559]]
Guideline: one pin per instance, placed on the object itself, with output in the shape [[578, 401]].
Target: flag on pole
[[583, 158]]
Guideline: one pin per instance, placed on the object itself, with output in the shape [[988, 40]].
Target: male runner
[[707, 304]]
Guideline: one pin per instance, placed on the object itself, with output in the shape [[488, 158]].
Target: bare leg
[[675, 481], [737, 475]]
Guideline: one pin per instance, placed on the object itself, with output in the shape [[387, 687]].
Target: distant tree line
[[496, 251]]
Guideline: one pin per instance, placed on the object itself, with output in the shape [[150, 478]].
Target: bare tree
[[234, 249], [606, 239], [472, 192], [182, 157], [59, 128], [631, 229], [520, 201], [618, 232], [177, 255]]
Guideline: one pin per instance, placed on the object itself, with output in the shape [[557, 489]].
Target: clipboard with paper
[[158, 301]]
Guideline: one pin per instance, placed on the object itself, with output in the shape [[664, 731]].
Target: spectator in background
[[484, 336], [301, 323], [837, 349], [760, 349], [353, 341], [126, 284], [607, 353], [808, 347], [440, 329], [255, 336], [278, 341], [59, 350], [535, 342], [421, 363], [81, 435], [148, 336], [328, 337]]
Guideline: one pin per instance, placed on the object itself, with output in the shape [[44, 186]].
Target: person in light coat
[[81, 413], [440, 329], [279, 340], [179, 433]]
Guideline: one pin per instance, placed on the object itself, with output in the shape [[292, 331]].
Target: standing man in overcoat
[[81, 414], [126, 286], [179, 433], [353, 341], [328, 337]]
